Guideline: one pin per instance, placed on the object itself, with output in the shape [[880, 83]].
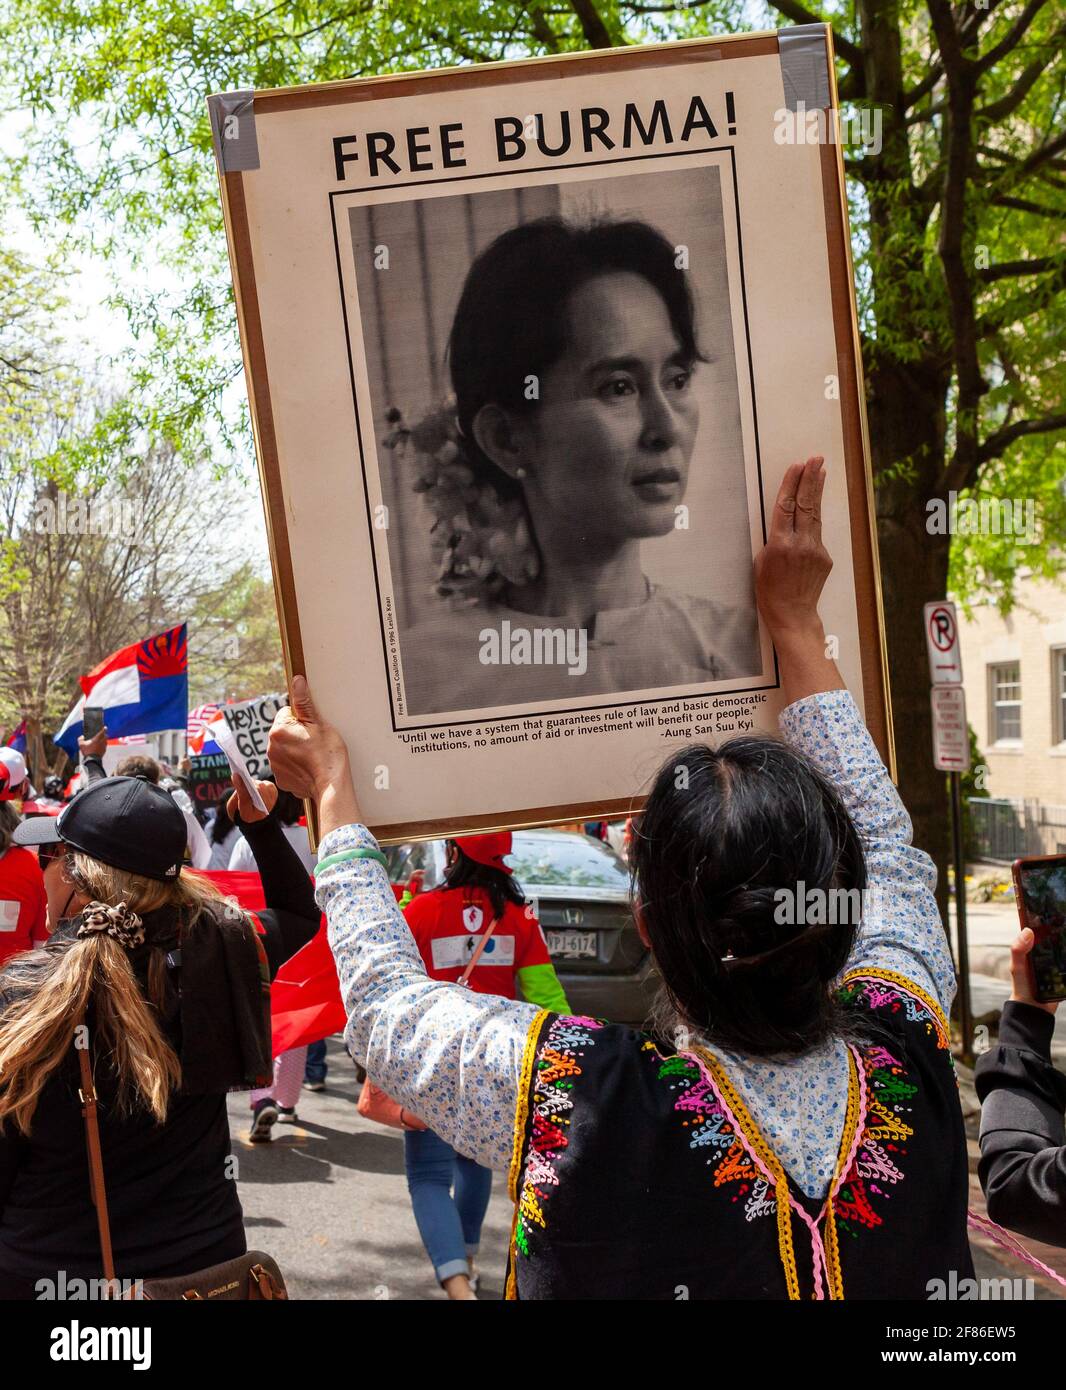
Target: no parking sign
[[942, 641]]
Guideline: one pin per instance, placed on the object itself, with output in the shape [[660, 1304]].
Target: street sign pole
[[951, 754], [965, 1004]]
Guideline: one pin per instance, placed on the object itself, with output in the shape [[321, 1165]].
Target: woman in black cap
[[172, 984]]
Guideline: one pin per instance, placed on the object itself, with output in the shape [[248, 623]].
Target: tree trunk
[[35, 760], [907, 423]]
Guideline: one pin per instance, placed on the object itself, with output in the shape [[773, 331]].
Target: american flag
[[196, 730]]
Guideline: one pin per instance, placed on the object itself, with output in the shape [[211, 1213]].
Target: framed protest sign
[[529, 347]]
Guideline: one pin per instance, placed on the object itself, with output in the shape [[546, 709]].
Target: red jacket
[[22, 902], [446, 924]]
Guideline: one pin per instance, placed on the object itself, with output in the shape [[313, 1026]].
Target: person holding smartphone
[[1023, 1101]]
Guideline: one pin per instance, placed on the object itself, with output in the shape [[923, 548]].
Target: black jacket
[[172, 1190], [1023, 1138]]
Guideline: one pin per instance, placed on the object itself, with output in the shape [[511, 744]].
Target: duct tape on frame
[[804, 61], [233, 131]]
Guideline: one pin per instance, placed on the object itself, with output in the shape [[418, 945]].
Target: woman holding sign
[[791, 1129]]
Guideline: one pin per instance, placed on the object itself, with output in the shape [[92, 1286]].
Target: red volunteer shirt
[[22, 902], [447, 924]]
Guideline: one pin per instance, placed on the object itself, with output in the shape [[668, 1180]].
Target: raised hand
[[791, 569], [240, 801], [94, 747], [790, 573], [309, 757]]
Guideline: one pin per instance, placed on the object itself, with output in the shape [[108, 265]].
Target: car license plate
[[572, 944]]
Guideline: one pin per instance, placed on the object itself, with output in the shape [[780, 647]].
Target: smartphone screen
[[1040, 889], [92, 721]]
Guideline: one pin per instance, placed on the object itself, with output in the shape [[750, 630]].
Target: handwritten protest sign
[[250, 722], [209, 779], [226, 740]]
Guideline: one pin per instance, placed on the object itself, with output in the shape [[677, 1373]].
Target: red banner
[[305, 1000]]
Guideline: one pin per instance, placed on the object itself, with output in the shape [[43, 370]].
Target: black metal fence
[[1003, 830]]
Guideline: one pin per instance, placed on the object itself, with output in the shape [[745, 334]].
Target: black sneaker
[[314, 1085], [264, 1117], [287, 1115]]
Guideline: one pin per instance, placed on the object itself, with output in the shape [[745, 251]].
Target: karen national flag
[[142, 688], [17, 741]]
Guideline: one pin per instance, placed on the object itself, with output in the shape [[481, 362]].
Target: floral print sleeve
[[455, 1057], [901, 929], [450, 1055]]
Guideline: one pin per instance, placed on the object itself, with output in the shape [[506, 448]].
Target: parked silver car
[[580, 889]]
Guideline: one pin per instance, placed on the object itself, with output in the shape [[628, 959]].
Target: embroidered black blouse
[[641, 1175]]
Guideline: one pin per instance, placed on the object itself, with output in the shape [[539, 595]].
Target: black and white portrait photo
[[556, 425]]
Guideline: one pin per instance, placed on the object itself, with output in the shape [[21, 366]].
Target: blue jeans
[[315, 1067], [450, 1225]]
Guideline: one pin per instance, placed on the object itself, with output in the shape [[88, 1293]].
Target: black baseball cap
[[126, 822]]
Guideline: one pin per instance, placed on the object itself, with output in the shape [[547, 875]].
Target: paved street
[[328, 1199]]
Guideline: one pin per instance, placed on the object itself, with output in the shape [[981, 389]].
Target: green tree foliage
[[238, 654], [958, 221], [91, 563]]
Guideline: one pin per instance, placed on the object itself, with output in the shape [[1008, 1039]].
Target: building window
[[1058, 690], [1005, 702]]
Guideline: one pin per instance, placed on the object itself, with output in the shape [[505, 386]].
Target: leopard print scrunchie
[[119, 922]]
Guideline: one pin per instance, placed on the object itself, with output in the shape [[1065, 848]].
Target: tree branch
[[936, 109], [1029, 301], [1006, 270], [1010, 101], [1011, 38], [924, 87], [1024, 205], [951, 246], [800, 14], [592, 25], [995, 444], [542, 30], [1048, 150]]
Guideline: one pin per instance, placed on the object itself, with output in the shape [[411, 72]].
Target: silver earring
[[520, 472]]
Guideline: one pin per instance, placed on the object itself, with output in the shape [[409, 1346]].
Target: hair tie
[[805, 937], [121, 923]]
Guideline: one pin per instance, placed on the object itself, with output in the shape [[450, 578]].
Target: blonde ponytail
[[50, 991]]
